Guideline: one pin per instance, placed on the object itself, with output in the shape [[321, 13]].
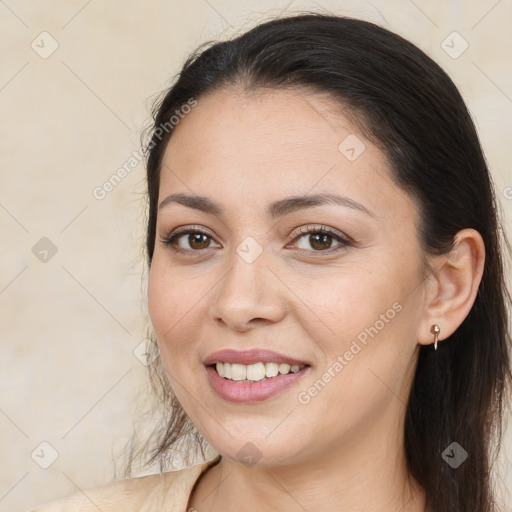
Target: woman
[[326, 287]]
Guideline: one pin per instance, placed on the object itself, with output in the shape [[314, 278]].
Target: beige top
[[169, 492]]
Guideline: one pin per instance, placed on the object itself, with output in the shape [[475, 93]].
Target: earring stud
[[435, 330]]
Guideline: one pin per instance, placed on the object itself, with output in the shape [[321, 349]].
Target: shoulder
[[153, 492]]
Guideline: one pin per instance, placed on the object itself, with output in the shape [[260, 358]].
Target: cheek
[[177, 311], [343, 302], [158, 300], [167, 304], [365, 313]]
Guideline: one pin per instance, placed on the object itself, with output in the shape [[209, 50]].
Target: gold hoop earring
[[435, 330]]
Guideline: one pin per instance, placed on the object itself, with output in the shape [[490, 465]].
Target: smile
[[256, 372]]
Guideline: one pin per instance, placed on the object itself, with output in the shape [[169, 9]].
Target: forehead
[[286, 120], [274, 143]]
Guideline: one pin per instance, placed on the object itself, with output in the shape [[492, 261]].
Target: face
[[295, 255]]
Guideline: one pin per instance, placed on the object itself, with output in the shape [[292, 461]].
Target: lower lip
[[247, 392]]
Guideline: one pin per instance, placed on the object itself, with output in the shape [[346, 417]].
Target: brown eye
[[198, 241], [320, 241], [188, 241]]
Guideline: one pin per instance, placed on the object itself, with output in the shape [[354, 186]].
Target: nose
[[249, 295]]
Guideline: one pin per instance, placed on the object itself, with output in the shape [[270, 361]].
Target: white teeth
[[284, 368], [271, 369], [238, 371], [254, 372]]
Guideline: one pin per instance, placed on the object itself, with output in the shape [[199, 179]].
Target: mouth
[[252, 375], [256, 372]]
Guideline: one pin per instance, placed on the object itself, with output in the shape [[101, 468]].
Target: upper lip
[[255, 355]]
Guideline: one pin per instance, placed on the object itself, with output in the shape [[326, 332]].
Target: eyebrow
[[275, 210]]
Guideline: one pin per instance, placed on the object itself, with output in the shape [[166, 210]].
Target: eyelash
[[171, 238]]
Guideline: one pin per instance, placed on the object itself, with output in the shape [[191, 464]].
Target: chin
[[250, 442]]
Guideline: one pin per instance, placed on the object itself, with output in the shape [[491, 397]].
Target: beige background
[[69, 325]]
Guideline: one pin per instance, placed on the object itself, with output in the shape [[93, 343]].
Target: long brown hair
[[410, 107]]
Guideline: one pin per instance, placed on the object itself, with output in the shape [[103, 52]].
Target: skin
[[343, 450]]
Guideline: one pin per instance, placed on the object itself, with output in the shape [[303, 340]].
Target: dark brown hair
[[409, 106]]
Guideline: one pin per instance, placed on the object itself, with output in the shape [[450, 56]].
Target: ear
[[452, 286]]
